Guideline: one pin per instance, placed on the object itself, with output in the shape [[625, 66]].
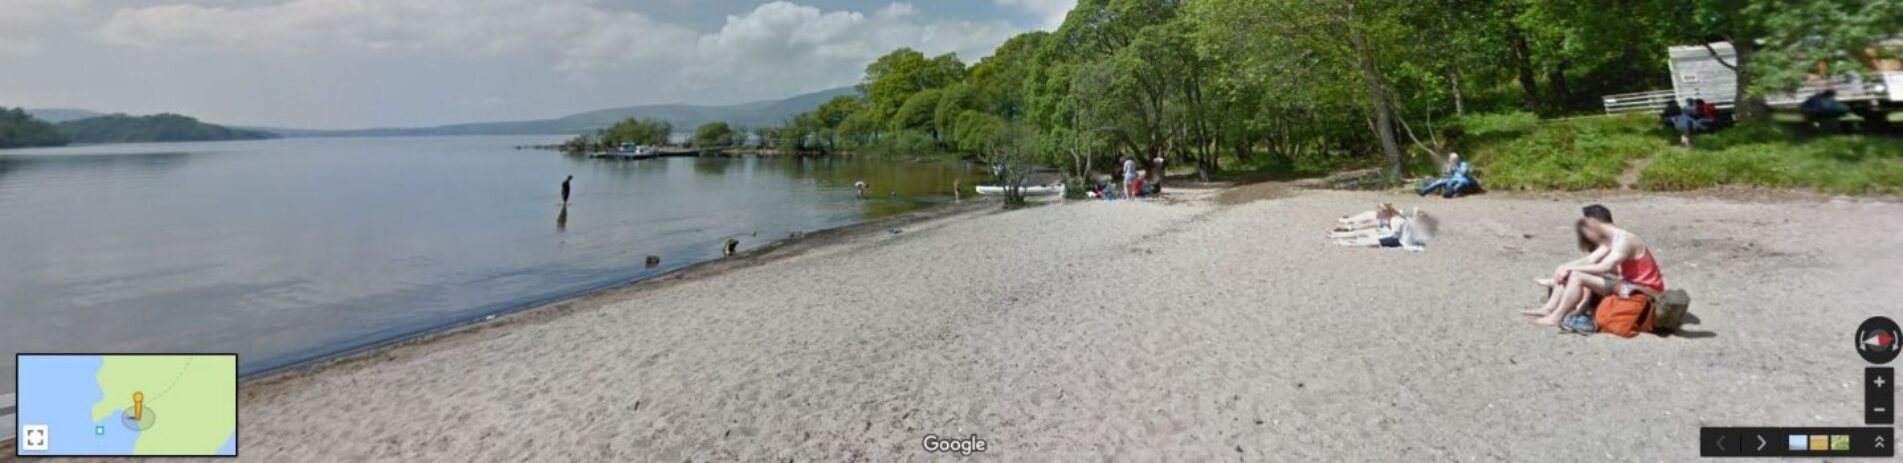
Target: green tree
[[21, 130], [893, 79], [714, 134]]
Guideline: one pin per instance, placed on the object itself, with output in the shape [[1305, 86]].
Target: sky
[[338, 64]]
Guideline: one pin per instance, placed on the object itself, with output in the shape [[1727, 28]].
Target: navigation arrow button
[[1762, 442]]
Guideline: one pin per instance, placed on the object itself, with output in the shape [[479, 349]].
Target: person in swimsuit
[[1628, 266]]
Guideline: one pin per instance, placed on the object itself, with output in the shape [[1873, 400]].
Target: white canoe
[[1036, 190]]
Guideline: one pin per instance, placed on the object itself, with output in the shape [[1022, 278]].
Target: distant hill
[[684, 117], [58, 115], [120, 128]]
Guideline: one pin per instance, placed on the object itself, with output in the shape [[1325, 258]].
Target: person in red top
[[1627, 266]]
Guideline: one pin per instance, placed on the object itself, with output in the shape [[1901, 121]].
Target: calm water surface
[[288, 250]]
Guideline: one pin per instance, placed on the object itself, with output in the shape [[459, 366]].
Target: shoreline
[[1114, 330], [849, 343], [536, 312]]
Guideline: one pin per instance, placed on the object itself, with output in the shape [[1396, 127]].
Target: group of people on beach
[[1614, 262], [1136, 182], [1385, 227]]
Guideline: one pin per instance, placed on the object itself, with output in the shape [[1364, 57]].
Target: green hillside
[[121, 128], [21, 130]]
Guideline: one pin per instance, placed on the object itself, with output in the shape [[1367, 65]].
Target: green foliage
[[120, 128], [893, 79], [1834, 164], [20, 130], [1299, 85], [638, 131], [1572, 154], [714, 134]]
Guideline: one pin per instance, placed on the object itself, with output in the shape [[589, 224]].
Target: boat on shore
[[629, 151]]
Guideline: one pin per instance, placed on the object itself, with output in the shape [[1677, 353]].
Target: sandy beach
[[1219, 325]]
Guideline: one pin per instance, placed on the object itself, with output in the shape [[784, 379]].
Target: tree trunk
[[1750, 106], [1523, 60], [1557, 78], [1453, 83], [1377, 94]]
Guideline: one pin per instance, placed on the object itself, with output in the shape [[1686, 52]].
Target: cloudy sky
[[376, 63]]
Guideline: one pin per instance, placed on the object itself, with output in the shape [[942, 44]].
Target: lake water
[[287, 250]]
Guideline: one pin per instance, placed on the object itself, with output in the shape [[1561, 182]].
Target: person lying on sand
[[1628, 264], [1409, 231], [1375, 219]]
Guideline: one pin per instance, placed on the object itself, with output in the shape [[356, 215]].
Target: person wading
[[565, 189]]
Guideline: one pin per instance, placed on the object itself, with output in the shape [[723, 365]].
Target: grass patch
[[1518, 151], [1842, 164]]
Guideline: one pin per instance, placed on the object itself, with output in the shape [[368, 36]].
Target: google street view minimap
[[128, 405]]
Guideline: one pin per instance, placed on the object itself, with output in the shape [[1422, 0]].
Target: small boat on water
[[1028, 190], [629, 151]]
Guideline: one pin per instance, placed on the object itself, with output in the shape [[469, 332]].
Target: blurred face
[[1593, 231]]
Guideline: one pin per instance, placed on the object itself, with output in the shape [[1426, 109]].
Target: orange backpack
[[1625, 316]]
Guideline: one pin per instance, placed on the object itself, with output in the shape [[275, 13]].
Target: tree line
[[1216, 83], [21, 130], [18, 129]]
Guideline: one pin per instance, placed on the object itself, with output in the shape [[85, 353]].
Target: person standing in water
[[565, 189]]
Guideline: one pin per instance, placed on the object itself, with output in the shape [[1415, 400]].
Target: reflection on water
[[281, 250]]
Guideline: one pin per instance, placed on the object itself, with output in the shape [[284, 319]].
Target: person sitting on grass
[[1628, 266], [1824, 111], [1457, 180]]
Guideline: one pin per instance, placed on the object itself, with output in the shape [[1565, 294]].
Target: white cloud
[[25, 24], [778, 44], [780, 41], [1052, 11]]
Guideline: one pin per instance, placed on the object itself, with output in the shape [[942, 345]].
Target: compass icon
[[1877, 340]]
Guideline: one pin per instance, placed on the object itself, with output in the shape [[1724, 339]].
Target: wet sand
[[1190, 329]]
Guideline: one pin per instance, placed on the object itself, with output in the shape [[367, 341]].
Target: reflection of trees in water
[[716, 167], [148, 162], [885, 176]]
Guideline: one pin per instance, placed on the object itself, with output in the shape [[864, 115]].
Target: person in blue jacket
[[1458, 179]]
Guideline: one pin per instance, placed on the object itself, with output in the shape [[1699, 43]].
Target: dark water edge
[[317, 360]]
